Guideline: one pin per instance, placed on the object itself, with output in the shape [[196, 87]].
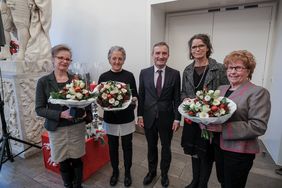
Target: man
[[159, 98]]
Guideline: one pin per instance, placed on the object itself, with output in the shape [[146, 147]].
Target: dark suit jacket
[[150, 105], [51, 112]]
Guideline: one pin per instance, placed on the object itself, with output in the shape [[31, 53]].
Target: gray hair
[[116, 48], [61, 47]]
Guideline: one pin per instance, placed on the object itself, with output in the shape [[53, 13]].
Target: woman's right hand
[[66, 114], [186, 99]]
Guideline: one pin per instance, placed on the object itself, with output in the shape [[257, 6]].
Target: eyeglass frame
[[63, 59], [236, 68], [201, 46]]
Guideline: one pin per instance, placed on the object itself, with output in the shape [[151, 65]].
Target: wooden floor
[[30, 173]]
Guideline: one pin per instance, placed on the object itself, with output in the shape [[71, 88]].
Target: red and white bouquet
[[208, 107], [112, 95], [74, 94]]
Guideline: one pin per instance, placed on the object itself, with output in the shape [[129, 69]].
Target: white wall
[[273, 136], [91, 27]]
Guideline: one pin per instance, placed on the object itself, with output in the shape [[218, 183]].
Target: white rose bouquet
[[207, 108], [73, 94], [113, 96]]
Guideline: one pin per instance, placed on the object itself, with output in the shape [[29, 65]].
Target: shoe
[[127, 181], [165, 181], [278, 171], [114, 179], [149, 178]]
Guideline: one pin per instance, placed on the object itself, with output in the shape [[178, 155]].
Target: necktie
[[159, 82]]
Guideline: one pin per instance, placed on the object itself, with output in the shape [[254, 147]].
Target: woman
[[239, 135], [66, 133], [202, 72], [120, 123]]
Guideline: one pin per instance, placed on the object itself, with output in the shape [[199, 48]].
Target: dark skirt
[[192, 142]]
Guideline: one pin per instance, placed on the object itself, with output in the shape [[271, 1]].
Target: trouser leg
[[113, 150], [205, 171], [127, 152], [236, 168], [66, 173], [152, 143], [77, 165]]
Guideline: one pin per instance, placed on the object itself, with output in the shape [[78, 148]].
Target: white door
[[245, 29]]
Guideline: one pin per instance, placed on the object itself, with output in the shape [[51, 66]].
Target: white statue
[[16, 18], [38, 54], [31, 20]]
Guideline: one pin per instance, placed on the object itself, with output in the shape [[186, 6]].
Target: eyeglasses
[[237, 69], [62, 59], [201, 46]]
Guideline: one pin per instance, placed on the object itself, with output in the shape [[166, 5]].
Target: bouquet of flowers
[[113, 96], [207, 108], [73, 94]]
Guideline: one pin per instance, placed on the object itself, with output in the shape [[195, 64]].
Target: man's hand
[[175, 126], [140, 122]]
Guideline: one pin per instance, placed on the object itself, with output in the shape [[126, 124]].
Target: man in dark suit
[[159, 98]]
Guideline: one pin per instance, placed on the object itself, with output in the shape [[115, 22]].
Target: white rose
[[82, 85], [210, 92], [123, 90], [68, 96], [71, 91], [119, 97], [118, 86], [222, 111], [116, 103], [104, 96], [85, 91], [216, 114], [199, 93], [205, 108], [203, 115], [215, 102], [207, 98], [69, 85], [112, 101], [78, 95], [188, 101], [216, 93]]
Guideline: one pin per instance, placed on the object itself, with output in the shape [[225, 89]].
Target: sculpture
[[31, 21]]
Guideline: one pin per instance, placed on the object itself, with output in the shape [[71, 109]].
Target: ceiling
[[186, 5]]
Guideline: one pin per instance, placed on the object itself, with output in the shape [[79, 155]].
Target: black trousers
[[127, 151], [152, 134], [233, 168]]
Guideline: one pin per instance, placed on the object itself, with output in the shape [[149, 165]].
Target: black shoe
[[165, 181], [114, 179], [127, 181], [149, 178]]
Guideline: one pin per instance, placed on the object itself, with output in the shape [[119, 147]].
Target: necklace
[[203, 75]]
